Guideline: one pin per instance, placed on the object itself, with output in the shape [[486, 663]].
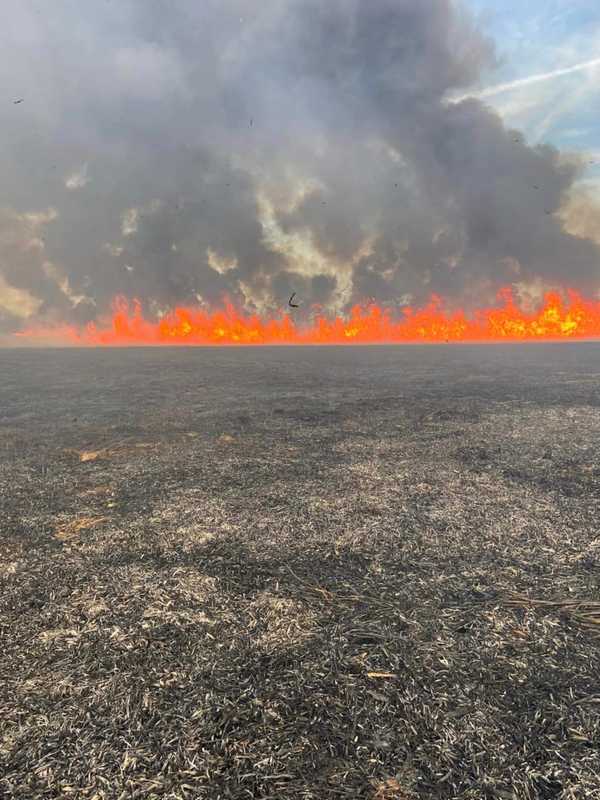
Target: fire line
[[367, 323]]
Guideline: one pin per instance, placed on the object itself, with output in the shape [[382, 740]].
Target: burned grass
[[362, 603]]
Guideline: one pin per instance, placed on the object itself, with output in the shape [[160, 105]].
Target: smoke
[[180, 152], [581, 215]]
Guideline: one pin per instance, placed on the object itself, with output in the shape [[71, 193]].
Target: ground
[[300, 573]]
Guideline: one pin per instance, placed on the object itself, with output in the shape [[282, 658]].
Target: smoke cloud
[[179, 152]]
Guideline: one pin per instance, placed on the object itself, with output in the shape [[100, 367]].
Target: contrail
[[505, 87]]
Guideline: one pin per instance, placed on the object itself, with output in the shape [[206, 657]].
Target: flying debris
[[293, 305]]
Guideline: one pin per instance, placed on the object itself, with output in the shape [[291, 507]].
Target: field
[[300, 573]]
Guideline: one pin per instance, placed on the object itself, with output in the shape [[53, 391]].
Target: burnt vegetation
[[300, 573]]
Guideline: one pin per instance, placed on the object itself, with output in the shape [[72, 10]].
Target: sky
[[539, 38], [182, 152]]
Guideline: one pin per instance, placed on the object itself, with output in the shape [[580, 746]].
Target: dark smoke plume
[[179, 152]]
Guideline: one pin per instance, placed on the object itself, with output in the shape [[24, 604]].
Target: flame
[[367, 324]]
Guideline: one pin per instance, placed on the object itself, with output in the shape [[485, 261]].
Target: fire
[[556, 319]]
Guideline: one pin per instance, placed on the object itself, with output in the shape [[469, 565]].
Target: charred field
[[298, 572]]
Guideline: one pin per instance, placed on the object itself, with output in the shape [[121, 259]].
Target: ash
[[295, 572]]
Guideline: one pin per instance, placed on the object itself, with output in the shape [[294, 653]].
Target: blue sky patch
[[540, 38]]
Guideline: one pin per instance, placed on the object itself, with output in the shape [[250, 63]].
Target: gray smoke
[[180, 152]]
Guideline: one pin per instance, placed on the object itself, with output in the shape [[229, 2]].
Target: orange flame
[[367, 324]]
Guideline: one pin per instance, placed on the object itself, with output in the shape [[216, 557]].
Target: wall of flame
[[557, 318]]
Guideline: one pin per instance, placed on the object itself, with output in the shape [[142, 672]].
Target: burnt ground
[[300, 573]]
